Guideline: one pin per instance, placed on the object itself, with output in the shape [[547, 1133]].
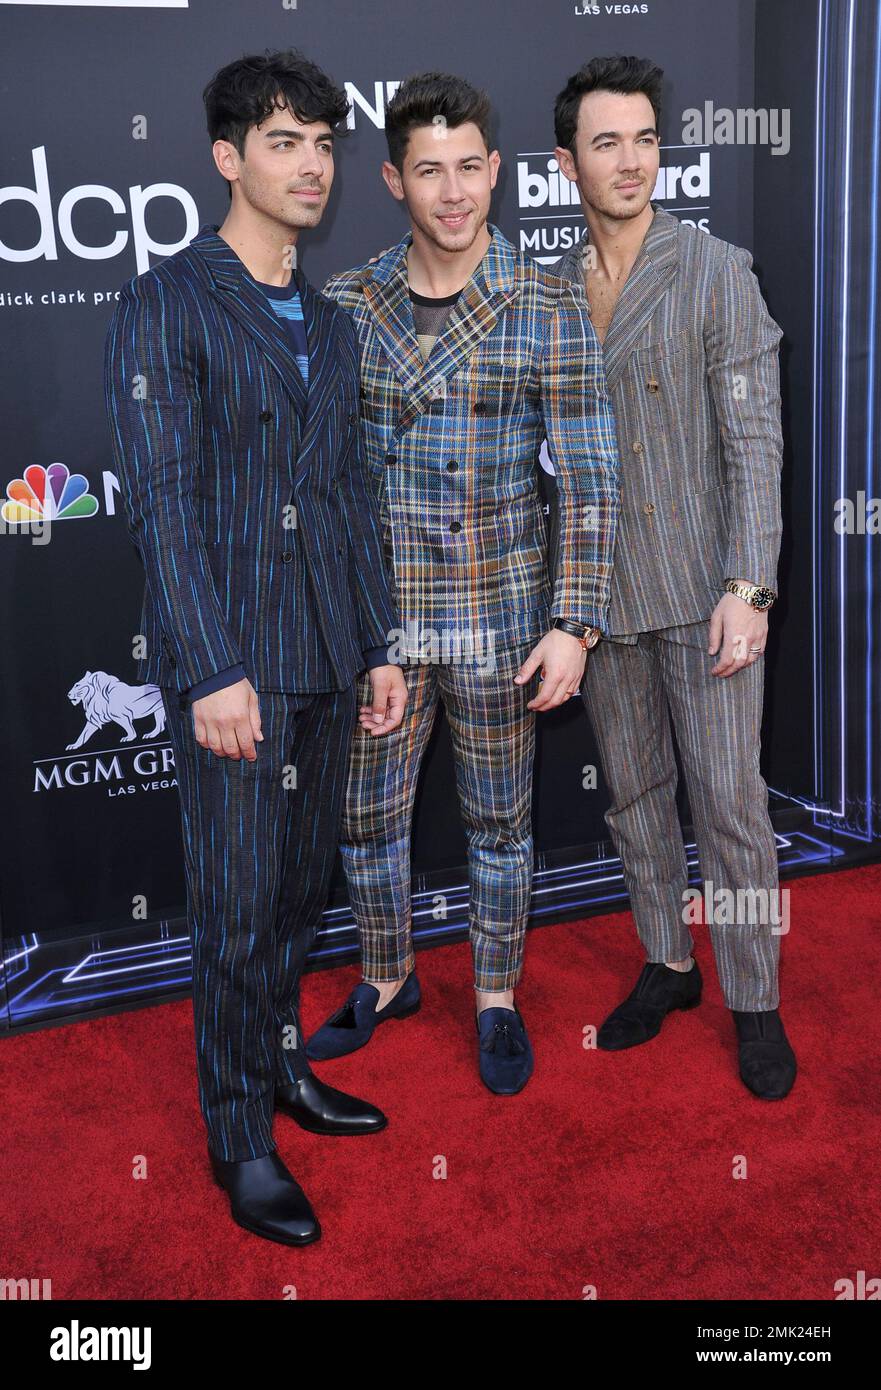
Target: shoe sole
[[331, 1056], [333, 1133], [265, 1235], [625, 1047]]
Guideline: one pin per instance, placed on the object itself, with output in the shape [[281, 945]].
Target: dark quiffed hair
[[420, 100], [245, 93], [617, 74]]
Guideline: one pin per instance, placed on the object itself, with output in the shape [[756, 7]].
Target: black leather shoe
[[657, 992], [767, 1062], [323, 1110], [266, 1200]]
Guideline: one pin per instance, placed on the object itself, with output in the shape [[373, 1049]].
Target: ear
[[227, 159], [566, 163], [392, 180]]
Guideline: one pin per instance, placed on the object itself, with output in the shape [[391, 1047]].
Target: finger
[[254, 716], [200, 732], [229, 742], [245, 739]]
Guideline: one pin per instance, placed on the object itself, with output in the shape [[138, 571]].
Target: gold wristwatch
[[759, 596]]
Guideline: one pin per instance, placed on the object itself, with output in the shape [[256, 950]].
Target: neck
[[616, 241], [263, 244], [437, 273]]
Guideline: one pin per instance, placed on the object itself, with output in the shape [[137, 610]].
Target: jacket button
[[455, 526], [286, 556], [452, 465], [353, 417], [391, 458], [637, 446], [362, 393], [653, 385], [266, 416], [648, 508]]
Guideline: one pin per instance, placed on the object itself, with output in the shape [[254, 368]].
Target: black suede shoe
[[323, 1110], [657, 992], [767, 1062], [266, 1200]]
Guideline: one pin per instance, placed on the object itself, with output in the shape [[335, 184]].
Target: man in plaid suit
[[470, 355]]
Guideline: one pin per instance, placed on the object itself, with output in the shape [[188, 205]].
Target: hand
[[561, 657], [228, 721], [389, 698], [738, 626]]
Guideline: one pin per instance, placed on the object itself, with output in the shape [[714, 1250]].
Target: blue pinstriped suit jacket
[[245, 497]]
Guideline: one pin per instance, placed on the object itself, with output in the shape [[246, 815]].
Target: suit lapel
[[324, 375], [250, 307], [473, 317], [651, 273]]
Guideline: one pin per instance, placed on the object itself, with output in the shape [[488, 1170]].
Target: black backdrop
[[106, 168]]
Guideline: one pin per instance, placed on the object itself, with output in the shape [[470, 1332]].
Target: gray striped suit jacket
[[691, 359]]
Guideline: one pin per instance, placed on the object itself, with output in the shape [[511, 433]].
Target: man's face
[[287, 169], [617, 153], [447, 183]]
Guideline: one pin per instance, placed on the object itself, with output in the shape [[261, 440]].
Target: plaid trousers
[[493, 737]]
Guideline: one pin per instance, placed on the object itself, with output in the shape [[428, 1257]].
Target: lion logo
[[108, 700]]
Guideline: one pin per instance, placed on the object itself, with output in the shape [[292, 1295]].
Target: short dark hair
[[616, 74], [245, 93], [421, 99]]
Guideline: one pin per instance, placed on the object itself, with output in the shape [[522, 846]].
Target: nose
[[310, 162]]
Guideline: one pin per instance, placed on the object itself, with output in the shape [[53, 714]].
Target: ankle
[[387, 990], [683, 966]]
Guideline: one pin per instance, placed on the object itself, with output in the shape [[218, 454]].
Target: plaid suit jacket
[[691, 359], [452, 446]]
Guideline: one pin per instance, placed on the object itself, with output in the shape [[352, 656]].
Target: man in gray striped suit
[[691, 366]]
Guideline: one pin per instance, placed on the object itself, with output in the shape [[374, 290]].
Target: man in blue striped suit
[[232, 390]]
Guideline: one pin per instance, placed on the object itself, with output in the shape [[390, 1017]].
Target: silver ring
[[755, 651]]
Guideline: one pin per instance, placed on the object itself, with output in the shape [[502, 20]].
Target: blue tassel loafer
[[352, 1026], [505, 1054]]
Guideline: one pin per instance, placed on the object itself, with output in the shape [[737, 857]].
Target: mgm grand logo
[[112, 712]]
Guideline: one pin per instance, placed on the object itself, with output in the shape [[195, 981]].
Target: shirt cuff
[[218, 681], [377, 656]]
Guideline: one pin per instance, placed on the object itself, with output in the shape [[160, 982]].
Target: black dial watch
[[587, 636]]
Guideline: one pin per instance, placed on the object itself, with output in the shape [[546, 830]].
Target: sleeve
[[742, 347], [378, 656], [151, 385], [218, 682], [368, 577], [582, 444]]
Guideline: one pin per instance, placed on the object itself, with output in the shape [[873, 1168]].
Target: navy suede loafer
[[352, 1026], [505, 1054]]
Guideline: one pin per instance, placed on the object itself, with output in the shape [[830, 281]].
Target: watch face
[[763, 598]]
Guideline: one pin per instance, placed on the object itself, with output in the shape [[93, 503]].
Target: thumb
[[715, 632], [531, 664]]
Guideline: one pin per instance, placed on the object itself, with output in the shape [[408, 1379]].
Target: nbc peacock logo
[[48, 494]]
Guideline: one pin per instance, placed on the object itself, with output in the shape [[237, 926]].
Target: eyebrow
[[435, 163], [295, 135], [616, 134]]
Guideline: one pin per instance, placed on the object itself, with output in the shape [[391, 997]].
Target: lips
[[453, 220]]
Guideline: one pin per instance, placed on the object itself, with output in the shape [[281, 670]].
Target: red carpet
[[610, 1170]]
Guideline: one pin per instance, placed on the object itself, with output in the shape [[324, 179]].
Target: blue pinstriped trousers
[[260, 841], [637, 695]]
